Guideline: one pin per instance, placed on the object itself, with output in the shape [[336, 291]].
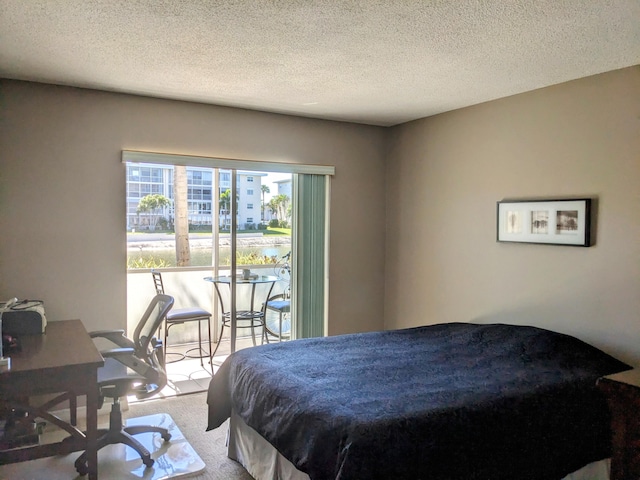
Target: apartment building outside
[[146, 179], [284, 187]]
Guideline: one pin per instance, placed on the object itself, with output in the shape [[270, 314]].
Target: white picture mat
[[516, 222]]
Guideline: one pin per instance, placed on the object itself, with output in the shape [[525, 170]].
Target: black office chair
[[179, 316], [135, 367]]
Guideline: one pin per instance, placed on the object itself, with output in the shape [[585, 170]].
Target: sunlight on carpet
[[173, 459]]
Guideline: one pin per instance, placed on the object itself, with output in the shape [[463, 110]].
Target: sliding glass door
[[237, 218]]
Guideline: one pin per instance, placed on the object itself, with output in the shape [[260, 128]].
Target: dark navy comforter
[[448, 401]]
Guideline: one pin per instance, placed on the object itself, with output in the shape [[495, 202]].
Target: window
[[250, 191], [249, 219], [249, 206], [249, 179], [225, 180]]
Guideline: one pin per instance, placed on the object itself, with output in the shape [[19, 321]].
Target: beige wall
[[446, 173], [62, 193], [62, 203]]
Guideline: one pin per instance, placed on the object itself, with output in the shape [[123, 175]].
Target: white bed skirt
[[256, 455], [264, 462]]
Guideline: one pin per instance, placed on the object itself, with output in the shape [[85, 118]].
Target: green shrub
[[250, 259], [256, 259], [148, 261]]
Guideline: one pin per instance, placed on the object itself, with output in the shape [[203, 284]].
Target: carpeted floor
[[190, 414]]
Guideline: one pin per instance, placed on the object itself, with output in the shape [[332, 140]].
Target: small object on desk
[[5, 363], [23, 317], [622, 391], [9, 345]]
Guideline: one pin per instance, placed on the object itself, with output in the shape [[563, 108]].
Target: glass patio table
[[251, 296]]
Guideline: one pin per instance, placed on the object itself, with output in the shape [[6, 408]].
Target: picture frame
[[553, 222]]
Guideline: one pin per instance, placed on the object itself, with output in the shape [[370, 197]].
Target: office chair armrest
[[128, 358], [118, 353], [115, 336]]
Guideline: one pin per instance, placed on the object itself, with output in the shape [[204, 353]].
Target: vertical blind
[[310, 279]]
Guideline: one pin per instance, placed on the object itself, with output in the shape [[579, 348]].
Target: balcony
[[188, 287]]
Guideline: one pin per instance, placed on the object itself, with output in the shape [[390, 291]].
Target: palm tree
[[280, 206], [264, 189], [225, 204], [283, 206], [152, 204], [273, 206], [183, 251]]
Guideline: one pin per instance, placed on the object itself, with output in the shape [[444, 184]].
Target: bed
[[448, 401]]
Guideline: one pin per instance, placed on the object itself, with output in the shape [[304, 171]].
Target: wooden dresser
[[622, 391]]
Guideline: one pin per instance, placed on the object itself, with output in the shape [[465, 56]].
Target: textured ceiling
[[379, 62]]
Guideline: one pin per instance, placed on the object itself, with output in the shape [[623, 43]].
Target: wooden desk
[[623, 396], [64, 359]]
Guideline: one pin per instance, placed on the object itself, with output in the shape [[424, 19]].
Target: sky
[[269, 179]]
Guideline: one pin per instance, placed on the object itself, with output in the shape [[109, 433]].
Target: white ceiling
[[379, 62]]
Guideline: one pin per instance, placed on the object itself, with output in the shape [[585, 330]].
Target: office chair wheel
[[81, 467], [166, 436], [148, 462]]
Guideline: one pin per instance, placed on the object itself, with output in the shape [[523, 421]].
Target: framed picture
[[555, 222]]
